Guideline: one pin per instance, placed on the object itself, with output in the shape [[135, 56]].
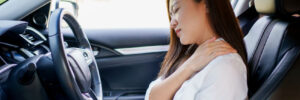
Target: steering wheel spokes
[[77, 59], [75, 67], [81, 54]]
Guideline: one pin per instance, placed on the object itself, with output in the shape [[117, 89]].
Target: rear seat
[[273, 46]]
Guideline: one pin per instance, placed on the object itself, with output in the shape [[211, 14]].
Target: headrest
[[277, 7]]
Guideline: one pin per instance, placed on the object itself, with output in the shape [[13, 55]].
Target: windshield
[[123, 14]]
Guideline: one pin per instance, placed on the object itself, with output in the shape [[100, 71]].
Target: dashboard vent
[[28, 36], [32, 37]]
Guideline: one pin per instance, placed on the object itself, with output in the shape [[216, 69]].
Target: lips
[[178, 32]]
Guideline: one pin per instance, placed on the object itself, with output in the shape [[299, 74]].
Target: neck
[[209, 34]]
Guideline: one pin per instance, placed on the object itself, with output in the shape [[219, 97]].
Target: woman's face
[[189, 21]]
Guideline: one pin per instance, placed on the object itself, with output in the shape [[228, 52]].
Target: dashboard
[[24, 46], [20, 30], [20, 41]]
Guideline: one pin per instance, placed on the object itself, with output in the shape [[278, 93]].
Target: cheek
[[192, 27]]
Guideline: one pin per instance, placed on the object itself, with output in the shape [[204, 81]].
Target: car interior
[[40, 60]]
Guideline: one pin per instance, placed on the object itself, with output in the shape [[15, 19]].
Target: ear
[[205, 7], [202, 6]]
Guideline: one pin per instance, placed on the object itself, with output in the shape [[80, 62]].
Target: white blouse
[[224, 78]]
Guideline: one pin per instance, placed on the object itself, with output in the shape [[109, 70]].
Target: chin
[[184, 42]]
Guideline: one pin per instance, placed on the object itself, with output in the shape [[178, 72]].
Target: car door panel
[[126, 76], [124, 38], [131, 72]]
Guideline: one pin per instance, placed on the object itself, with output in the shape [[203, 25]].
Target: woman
[[199, 66]]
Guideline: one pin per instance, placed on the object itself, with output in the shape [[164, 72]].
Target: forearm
[[166, 89]]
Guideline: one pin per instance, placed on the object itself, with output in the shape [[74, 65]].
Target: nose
[[174, 23]]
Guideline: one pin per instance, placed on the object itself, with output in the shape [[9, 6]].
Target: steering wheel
[[76, 67]]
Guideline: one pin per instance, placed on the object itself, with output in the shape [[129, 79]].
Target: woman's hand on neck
[[209, 35]]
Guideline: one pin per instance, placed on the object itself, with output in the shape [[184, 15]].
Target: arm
[[166, 89], [226, 80]]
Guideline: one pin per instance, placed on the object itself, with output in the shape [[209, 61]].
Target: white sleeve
[[150, 87], [227, 80]]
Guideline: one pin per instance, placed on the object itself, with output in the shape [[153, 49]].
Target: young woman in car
[[207, 56]]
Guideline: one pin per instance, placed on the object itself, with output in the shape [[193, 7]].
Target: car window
[[123, 14]]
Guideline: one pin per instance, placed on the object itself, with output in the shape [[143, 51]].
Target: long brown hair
[[223, 22]]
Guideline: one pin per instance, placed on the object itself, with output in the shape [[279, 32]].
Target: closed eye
[[176, 10]]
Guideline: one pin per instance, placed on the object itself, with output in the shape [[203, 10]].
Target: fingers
[[221, 51], [215, 48], [224, 46], [209, 50], [210, 40], [215, 44], [218, 48], [218, 43]]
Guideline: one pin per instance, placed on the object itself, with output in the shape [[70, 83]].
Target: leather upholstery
[[279, 54], [252, 39], [272, 47]]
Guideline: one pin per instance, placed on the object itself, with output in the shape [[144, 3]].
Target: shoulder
[[227, 64], [225, 76], [224, 69]]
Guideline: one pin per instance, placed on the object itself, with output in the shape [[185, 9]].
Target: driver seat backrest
[[277, 57], [272, 46]]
